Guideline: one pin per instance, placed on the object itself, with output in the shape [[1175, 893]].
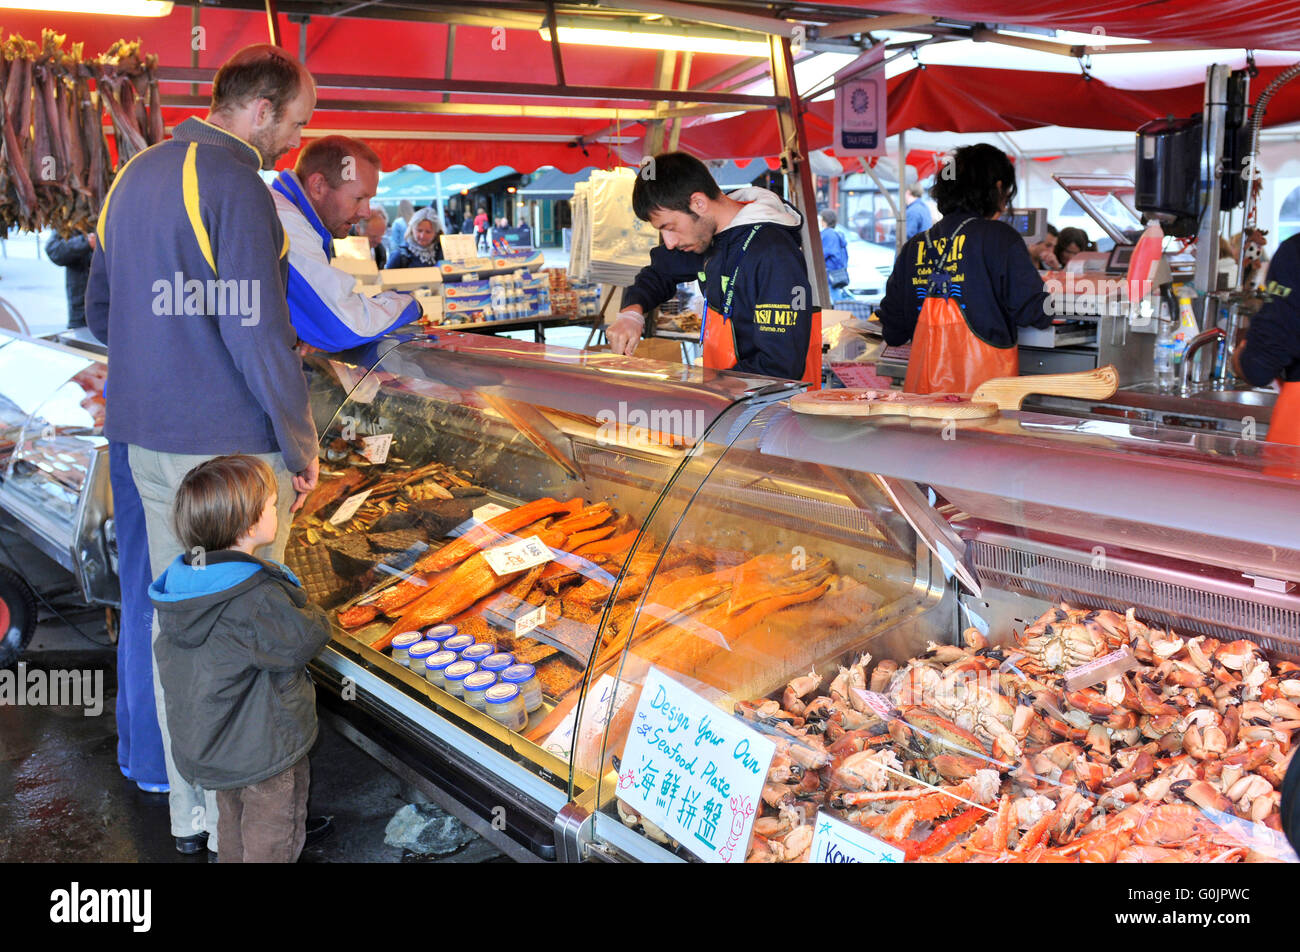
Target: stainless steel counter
[[1229, 411]]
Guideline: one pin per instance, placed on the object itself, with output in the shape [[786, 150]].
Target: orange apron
[[947, 357], [718, 335], [1284, 425]]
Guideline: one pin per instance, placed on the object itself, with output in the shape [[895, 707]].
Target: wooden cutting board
[[1000, 393]]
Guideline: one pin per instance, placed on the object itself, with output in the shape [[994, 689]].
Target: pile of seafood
[[57, 166], [983, 753]]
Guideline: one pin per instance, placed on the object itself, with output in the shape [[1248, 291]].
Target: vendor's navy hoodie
[[235, 637], [772, 280]]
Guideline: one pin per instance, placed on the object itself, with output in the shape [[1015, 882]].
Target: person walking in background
[[918, 213], [481, 230], [196, 376], [835, 249], [73, 254]]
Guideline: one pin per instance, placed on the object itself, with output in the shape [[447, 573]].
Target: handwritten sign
[[694, 771], [527, 622], [518, 556], [348, 508], [605, 700], [375, 448], [835, 841]]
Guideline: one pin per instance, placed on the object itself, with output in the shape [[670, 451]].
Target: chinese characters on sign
[[518, 556], [694, 771]]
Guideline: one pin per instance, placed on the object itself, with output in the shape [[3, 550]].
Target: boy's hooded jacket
[[235, 636]]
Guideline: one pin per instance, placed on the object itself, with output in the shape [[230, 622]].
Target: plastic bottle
[[1164, 350], [1187, 327]]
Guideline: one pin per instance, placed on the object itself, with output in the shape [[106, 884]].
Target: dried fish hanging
[[57, 167]]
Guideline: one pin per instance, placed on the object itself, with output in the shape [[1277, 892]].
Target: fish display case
[[742, 622], [55, 487]]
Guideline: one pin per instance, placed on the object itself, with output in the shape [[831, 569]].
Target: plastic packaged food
[[418, 653], [454, 676], [436, 664], [478, 652], [524, 676], [496, 663], [504, 705], [475, 685], [458, 643], [401, 644], [440, 633]]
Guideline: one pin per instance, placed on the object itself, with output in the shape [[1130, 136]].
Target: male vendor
[[745, 250], [327, 193], [1272, 348]]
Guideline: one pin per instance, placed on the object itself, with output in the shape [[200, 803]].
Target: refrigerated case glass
[[440, 445], [956, 573]]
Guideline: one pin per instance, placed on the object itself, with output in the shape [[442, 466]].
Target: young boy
[[236, 634]]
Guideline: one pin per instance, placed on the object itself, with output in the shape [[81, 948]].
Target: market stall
[[603, 608]]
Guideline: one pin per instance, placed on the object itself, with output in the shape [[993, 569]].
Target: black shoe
[[191, 845], [318, 827]]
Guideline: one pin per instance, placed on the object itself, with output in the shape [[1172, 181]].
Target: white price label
[[518, 556], [375, 448], [349, 508], [603, 703], [695, 771], [835, 841], [481, 514], [527, 622]]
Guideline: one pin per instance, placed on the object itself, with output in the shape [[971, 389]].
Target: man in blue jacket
[[187, 289]]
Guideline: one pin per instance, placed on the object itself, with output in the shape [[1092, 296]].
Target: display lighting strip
[[123, 8], [645, 36]]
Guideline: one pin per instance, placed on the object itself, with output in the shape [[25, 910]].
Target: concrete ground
[[63, 798]]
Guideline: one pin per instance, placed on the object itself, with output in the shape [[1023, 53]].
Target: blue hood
[[180, 581]]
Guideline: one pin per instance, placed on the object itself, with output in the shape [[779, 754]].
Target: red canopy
[[1243, 24]]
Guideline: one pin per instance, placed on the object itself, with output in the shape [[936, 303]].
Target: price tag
[[349, 508], [518, 556], [1101, 669], [482, 514], [835, 841], [878, 703], [375, 448], [694, 771], [526, 623]]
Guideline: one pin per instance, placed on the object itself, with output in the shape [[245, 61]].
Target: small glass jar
[[505, 706], [496, 663], [436, 664], [475, 684], [440, 633], [524, 676], [478, 651], [454, 676], [418, 653], [457, 643], [402, 643]]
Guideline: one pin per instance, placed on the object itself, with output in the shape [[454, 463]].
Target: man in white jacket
[[328, 192]]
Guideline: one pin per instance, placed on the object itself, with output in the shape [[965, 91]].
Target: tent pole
[[273, 22], [798, 170], [555, 44], [682, 83], [437, 199], [900, 226]]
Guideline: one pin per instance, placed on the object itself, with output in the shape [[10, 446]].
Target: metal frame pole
[[1215, 121], [798, 170], [273, 22]]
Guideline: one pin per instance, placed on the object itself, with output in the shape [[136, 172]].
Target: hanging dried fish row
[[57, 167]]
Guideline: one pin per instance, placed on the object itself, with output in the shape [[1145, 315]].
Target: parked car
[[870, 265]]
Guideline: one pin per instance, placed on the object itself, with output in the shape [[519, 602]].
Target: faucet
[[1215, 335]]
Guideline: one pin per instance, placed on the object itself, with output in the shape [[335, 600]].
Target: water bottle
[[1165, 351]]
